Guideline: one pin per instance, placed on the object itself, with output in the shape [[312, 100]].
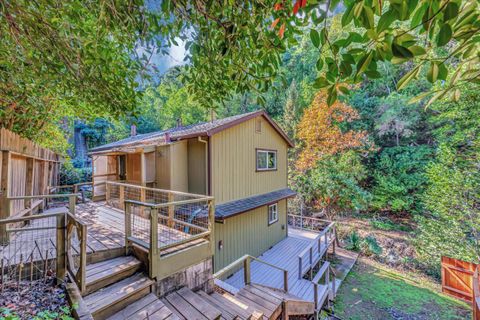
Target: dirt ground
[[374, 291]]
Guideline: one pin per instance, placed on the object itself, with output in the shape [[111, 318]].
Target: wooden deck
[[105, 235], [284, 255]]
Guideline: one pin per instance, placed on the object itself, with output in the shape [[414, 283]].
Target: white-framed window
[[266, 160], [272, 213]]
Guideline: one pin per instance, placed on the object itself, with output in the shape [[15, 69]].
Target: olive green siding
[[233, 161], [248, 233]]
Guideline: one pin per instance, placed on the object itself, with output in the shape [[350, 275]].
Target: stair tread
[[203, 306], [266, 295], [116, 292], [257, 302], [147, 307], [185, 309], [242, 309], [109, 268], [278, 293], [227, 312]]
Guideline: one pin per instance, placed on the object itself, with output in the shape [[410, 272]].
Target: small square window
[[266, 160], [272, 213]]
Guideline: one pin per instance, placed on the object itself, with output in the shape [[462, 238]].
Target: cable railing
[[168, 227], [35, 247]]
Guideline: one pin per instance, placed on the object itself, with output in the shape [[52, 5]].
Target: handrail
[[155, 189], [167, 204], [46, 196], [309, 218], [247, 274], [32, 217], [321, 251]]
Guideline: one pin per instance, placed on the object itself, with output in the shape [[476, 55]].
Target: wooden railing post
[[128, 225], [300, 265], [153, 252], [211, 222], [142, 199], [310, 253], [315, 295], [107, 194], [4, 194], [246, 270], [61, 249], [285, 280], [72, 199], [121, 196], [83, 258], [171, 210]]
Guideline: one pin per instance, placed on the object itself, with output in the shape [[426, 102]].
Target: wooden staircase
[[116, 289]]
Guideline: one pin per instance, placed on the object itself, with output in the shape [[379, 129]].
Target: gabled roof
[[232, 208], [191, 131]]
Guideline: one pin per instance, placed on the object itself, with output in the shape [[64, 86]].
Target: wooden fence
[[26, 169], [460, 280]]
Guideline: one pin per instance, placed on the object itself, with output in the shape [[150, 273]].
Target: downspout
[[207, 171]]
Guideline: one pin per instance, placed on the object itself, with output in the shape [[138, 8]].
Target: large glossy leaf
[[444, 35], [386, 20], [315, 37]]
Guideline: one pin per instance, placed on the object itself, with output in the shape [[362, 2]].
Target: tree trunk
[[79, 142]]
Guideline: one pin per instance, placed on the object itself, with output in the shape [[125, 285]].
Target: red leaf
[[275, 22], [277, 6], [281, 31], [304, 3], [296, 7]]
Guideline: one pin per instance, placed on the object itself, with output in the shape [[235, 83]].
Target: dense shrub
[[71, 175]]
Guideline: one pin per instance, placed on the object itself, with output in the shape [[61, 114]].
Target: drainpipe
[[207, 174]]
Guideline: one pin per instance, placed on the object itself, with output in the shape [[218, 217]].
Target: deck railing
[[77, 188], [246, 261], [326, 273], [167, 227], [36, 245], [313, 253]]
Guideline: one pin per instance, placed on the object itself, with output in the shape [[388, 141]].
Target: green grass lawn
[[372, 291]]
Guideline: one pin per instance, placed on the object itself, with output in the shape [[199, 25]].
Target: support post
[[142, 199], [153, 252], [128, 225], [246, 271], [310, 256], [300, 267], [61, 250], [29, 183], [211, 221], [285, 280], [82, 272], [171, 210], [107, 194], [71, 204], [121, 197], [4, 194], [315, 295]]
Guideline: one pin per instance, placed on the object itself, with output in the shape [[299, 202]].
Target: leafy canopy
[[236, 47]]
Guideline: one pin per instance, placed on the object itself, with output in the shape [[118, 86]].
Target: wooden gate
[[457, 278]]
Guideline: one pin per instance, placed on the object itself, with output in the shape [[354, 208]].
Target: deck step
[[149, 307], [109, 300], [105, 273], [257, 301], [191, 306], [233, 306]]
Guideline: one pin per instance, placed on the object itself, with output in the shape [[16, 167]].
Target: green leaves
[[409, 76], [450, 11], [315, 37], [386, 20], [444, 35], [401, 51], [432, 73]]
